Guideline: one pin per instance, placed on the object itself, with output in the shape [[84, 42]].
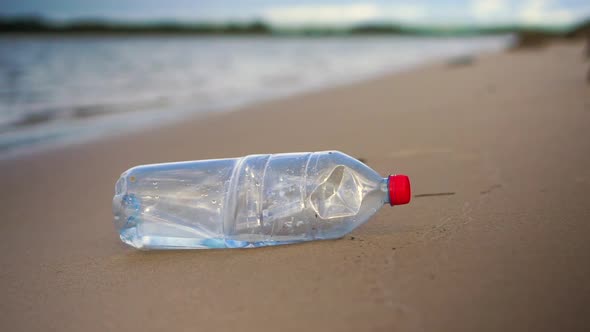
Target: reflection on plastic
[[254, 201]]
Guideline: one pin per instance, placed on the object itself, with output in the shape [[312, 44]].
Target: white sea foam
[[57, 90]]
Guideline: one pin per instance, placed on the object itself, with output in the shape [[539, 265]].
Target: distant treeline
[[39, 25]]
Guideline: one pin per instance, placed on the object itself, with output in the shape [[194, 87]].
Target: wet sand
[[496, 238]]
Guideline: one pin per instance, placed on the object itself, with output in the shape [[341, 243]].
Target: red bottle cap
[[399, 189]]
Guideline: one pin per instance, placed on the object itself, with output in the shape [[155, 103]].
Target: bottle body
[[254, 201]]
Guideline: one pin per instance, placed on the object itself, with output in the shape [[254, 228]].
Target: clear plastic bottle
[[257, 200]]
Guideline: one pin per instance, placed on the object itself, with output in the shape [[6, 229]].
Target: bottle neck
[[384, 187]]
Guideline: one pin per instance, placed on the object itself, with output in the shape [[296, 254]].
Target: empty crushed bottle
[[253, 201]]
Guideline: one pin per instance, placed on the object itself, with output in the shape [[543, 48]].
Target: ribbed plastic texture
[[257, 200]]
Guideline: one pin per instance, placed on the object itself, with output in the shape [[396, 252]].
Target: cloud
[[544, 12], [404, 12], [488, 9], [527, 12], [321, 14], [341, 14], [485, 12]]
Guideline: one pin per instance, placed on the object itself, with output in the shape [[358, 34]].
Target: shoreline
[[170, 123], [496, 237], [84, 120]]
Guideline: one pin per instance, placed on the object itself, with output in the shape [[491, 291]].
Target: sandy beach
[[496, 238]]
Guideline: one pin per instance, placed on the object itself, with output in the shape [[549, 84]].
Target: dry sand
[[509, 249]]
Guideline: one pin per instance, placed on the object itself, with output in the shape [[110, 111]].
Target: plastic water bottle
[[253, 201]]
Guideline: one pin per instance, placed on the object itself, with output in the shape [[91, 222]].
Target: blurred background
[[71, 70]]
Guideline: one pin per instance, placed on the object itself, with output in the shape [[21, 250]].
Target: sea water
[[56, 90]]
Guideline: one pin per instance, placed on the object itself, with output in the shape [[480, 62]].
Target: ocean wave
[[66, 89]]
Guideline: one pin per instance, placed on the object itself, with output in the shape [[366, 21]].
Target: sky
[[306, 12]]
